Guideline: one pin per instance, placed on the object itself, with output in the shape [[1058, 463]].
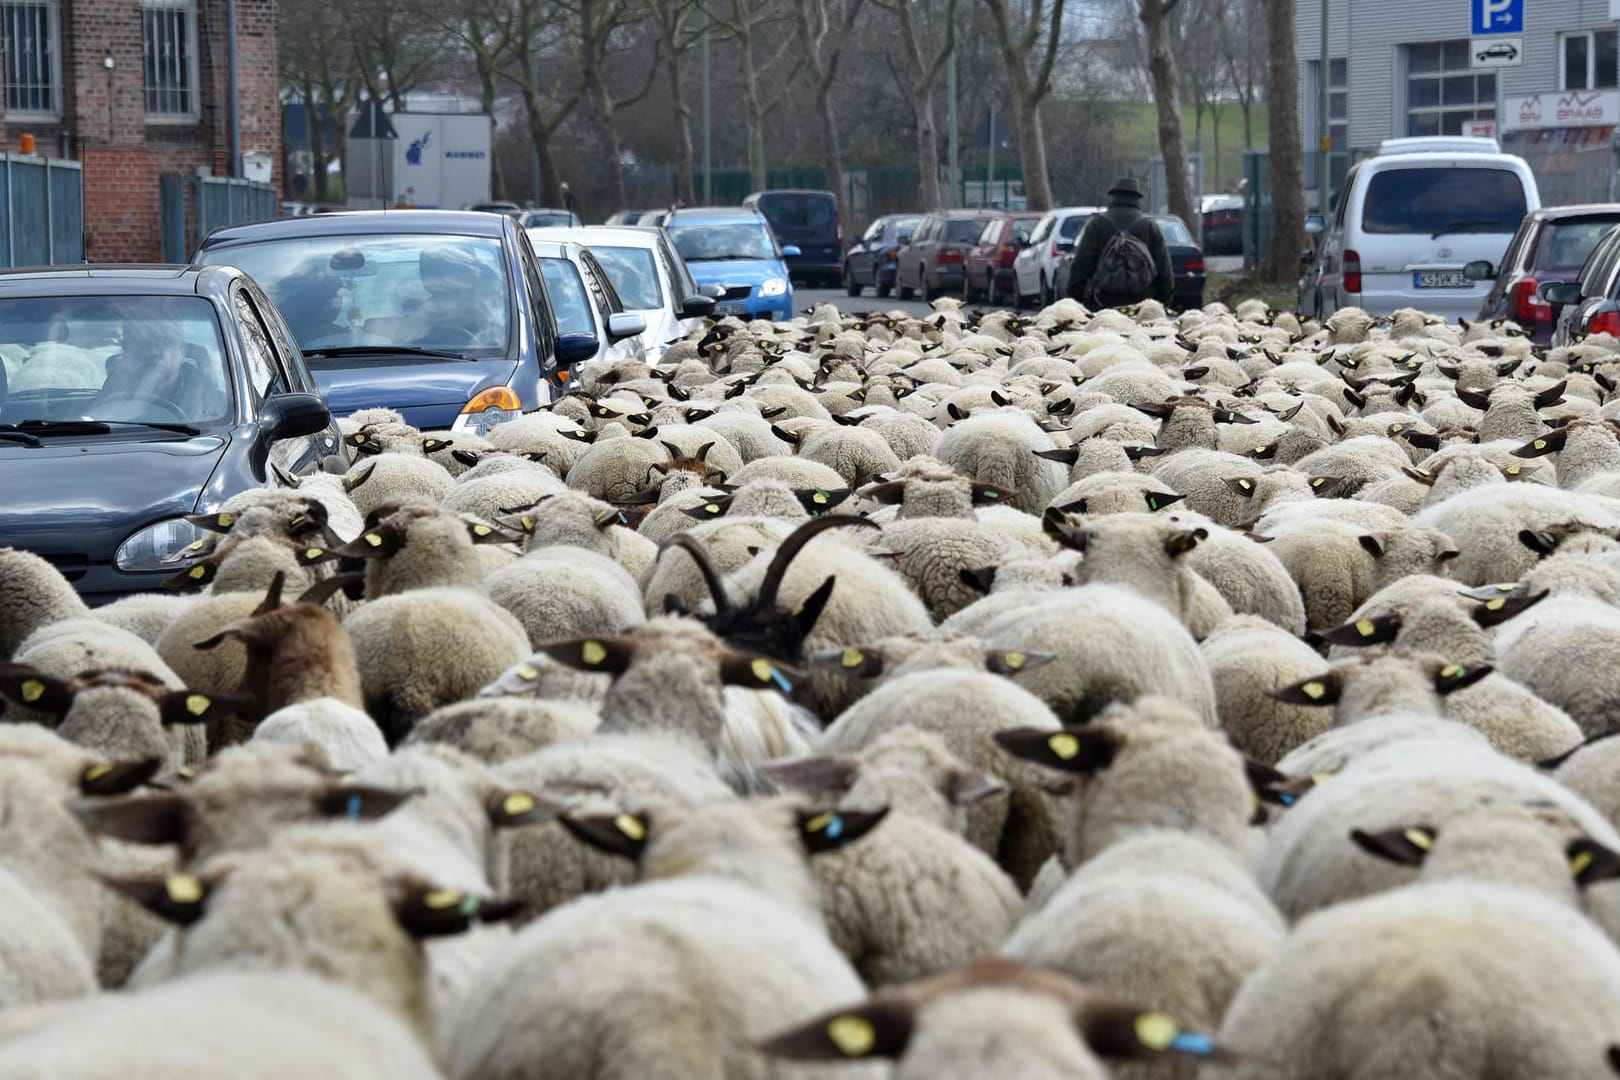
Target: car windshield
[[799, 211], [1441, 201], [1566, 244], [963, 232], [131, 359], [632, 274], [568, 300], [540, 219], [418, 291], [1174, 230], [698, 243]]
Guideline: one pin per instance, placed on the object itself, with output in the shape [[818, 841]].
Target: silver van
[[1410, 218]]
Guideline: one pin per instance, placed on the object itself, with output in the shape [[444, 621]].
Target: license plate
[[1440, 279], [722, 310]]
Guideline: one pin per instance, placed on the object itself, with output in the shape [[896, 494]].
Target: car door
[[1573, 319], [1513, 263], [1328, 273], [269, 362], [1026, 268], [607, 304], [862, 258]]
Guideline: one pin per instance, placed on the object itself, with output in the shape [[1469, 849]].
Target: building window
[[33, 75], [169, 40], [1588, 60], [1442, 92]]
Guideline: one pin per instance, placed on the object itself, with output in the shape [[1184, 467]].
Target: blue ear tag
[[353, 811], [1188, 1042], [835, 827], [781, 681], [1285, 798]]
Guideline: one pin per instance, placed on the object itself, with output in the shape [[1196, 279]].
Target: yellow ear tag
[[358, 439], [853, 1035], [528, 523], [1365, 627], [226, 520], [313, 553], [763, 669], [1259, 449], [851, 658], [197, 573], [1321, 777], [1314, 690], [819, 822], [96, 772], [1155, 1030], [196, 545], [1064, 746], [186, 772], [819, 497], [1016, 660], [528, 672], [352, 477], [517, 804], [1541, 444], [711, 508], [631, 826], [1393, 428], [1318, 482], [593, 652], [197, 704], [373, 539], [1513, 470], [1254, 804], [32, 691], [1453, 671], [1496, 605], [1580, 862], [440, 899], [482, 530], [1418, 839], [183, 889]]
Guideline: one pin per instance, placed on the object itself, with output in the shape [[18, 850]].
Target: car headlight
[[487, 409], [157, 547], [773, 287]]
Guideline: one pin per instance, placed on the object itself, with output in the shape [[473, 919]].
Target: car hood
[[402, 385], [735, 271], [88, 495]]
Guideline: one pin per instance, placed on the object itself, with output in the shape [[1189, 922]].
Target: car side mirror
[[287, 416], [712, 291], [625, 324], [1065, 247], [903, 239], [576, 348], [790, 251], [1560, 292], [1479, 270], [1307, 257], [697, 307], [1315, 225]]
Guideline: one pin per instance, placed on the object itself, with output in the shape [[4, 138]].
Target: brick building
[[162, 106]]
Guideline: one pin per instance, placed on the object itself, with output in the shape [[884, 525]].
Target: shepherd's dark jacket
[[1095, 236]]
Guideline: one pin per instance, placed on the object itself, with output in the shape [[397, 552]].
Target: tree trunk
[[754, 121], [832, 161], [486, 102], [1167, 100], [1032, 152], [550, 193], [685, 188], [928, 151], [1287, 153], [607, 134]]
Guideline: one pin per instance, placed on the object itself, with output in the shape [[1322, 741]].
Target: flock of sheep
[[1094, 694]]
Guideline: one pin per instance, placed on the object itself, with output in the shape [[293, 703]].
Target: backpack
[[1125, 269]]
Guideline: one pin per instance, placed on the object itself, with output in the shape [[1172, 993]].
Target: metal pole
[[539, 198], [236, 97], [1324, 140], [990, 168], [708, 164], [950, 114]]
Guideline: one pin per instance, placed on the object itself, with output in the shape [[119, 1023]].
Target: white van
[[1035, 267], [1409, 219]]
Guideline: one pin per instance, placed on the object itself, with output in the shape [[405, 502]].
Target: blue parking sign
[[1498, 17]]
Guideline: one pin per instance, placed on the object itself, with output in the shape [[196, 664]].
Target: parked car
[[1186, 264], [624, 217], [583, 300], [736, 250], [1223, 224], [931, 264], [547, 217], [648, 275], [871, 259], [1590, 304], [807, 220], [500, 206], [989, 271], [150, 393], [1035, 267], [653, 217], [439, 314], [1551, 245], [1410, 218]]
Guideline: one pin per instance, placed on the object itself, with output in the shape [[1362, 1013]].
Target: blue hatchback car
[[442, 315], [735, 251]]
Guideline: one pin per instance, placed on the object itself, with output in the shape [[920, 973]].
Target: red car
[[990, 261]]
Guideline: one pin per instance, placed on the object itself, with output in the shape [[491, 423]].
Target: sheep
[[33, 594], [725, 911], [915, 898], [558, 592], [1339, 565], [999, 448], [615, 469], [1486, 523], [1247, 657], [1202, 476], [486, 497], [992, 1018], [747, 433], [1558, 650], [389, 478], [498, 728], [40, 960], [798, 473]]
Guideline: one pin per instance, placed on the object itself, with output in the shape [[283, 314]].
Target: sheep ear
[[1136, 453], [323, 590], [715, 507], [283, 477], [853, 662], [806, 614], [1540, 542], [756, 673], [1184, 540], [1422, 476], [1273, 786], [1519, 472], [194, 576], [1456, 676], [785, 435], [817, 772], [874, 1029], [1379, 631], [117, 777], [377, 542], [1056, 524], [509, 808], [828, 830], [425, 912], [1474, 399], [219, 523], [819, 500], [1500, 609], [1374, 543], [1550, 443], [616, 834], [1068, 455], [1423, 440], [195, 707], [890, 492], [25, 686], [1590, 862], [1078, 749], [990, 494], [489, 534], [590, 654], [359, 802], [1228, 417], [433, 446], [359, 476], [1014, 661], [139, 819], [1551, 396], [1327, 487], [979, 580], [1158, 500], [1322, 690], [181, 899], [1159, 409], [967, 786], [1241, 486], [465, 457], [1408, 846], [1116, 1029]]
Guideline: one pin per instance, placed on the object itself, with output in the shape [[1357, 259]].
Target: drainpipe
[[236, 105]]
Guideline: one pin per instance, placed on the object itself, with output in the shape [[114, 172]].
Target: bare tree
[[1028, 87], [923, 65], [318, 63], [676, 36], [1155, 16], [740, 20], [1287, 153], [396, 45], [1241, 41], [596, 26], [822, 28]]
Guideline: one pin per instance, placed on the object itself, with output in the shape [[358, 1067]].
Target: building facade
[[1546, 84], [134, 90]]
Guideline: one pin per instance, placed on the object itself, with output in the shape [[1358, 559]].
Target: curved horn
[[711, 576], [795, 543]]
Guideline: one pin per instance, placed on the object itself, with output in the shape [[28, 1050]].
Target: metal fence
[[1572, 165], [193, 206], [43, 200]]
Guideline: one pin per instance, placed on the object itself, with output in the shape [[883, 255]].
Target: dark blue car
[[131, 397], [441, 315]]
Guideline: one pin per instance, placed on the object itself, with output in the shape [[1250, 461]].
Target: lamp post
[[107, 62], [708, 176], [950, 120], [1324, 141]]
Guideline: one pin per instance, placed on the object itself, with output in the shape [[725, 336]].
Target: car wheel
[[924, 292], [850, 287], [879, 289], [990, 290], [1046, 291], [969, 293]]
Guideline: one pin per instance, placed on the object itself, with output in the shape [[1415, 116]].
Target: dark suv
[[1552, 244], [807, 220], [934, 261]]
